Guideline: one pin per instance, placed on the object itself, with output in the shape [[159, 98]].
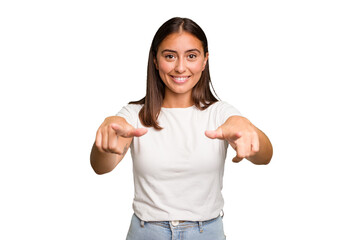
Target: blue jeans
[[172, 230]]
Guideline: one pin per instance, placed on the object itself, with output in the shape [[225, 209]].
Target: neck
[[177, 100]]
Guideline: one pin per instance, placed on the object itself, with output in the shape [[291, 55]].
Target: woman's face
[[180, 60]]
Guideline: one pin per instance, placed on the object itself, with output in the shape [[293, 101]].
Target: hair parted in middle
[[155, 88]]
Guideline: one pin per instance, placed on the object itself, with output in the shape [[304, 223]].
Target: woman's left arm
[[247, 140]]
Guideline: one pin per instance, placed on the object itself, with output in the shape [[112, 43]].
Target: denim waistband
[[181, 224]]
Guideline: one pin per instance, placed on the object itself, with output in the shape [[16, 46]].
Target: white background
[[291, 67]]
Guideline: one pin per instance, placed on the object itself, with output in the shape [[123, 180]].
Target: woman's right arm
[[113, 139]]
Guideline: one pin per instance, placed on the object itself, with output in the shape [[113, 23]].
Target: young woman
[[178, 134]]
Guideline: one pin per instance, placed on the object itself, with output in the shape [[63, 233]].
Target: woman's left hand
[[241, 134]]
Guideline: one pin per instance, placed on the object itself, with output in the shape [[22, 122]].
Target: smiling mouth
[[180, 79]]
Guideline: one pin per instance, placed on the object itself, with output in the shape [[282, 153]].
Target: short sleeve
[[225, 110], [129, 113]]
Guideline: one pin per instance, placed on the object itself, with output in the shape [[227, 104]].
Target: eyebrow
[[173, 51]]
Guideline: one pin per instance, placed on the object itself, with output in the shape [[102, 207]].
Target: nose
[[180, 65]]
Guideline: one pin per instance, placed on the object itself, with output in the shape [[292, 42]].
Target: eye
[[169, 56], [192, 56]]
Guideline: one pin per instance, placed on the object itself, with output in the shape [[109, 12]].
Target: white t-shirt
[[178, 171]]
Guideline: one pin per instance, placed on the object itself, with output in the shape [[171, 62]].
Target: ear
[[156, 65], [205, 61]]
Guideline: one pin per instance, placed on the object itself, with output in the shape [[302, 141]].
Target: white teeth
[[180, 79]]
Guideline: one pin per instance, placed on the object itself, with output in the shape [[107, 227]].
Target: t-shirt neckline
[[185, 108]]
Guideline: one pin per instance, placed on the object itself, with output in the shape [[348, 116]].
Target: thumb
[[213, 134], [128, 131]]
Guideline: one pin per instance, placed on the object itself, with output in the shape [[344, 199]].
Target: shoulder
[[221, 105], [130, 112], [132, 108], [223, 110]]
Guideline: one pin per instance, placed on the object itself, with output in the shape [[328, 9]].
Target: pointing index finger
[[119, 130], [138, 132], [213, 134], [235, 136], [128, 131]]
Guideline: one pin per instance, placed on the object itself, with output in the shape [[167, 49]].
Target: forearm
[[103, 162], [264, 155]]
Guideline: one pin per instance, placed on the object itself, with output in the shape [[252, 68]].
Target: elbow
[[261, 162], [263, 159], [269, 155], [98, 170], [268, 158], [266, 161], [101, 171]]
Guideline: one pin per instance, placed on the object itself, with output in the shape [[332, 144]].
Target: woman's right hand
[[109, 134]]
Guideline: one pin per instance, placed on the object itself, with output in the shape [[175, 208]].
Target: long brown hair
[[155, 88]]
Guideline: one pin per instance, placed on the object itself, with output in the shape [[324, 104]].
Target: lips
[[180, 79]]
